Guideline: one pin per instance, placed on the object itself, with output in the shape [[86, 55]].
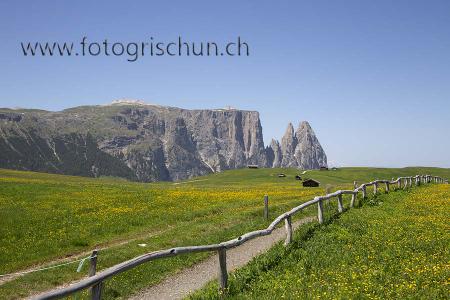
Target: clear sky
[[372, 77]]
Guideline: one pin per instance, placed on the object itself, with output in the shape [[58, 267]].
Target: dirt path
[[186, 281], [75, 256], [184, 182]]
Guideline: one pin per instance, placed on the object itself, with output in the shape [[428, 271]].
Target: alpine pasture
[[51, 219]]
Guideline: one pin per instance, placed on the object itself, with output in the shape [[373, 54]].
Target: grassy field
[[46, 217], [394, 246]]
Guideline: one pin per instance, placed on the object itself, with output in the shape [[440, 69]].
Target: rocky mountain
[[147, 142], [274, 154], [299, 149]]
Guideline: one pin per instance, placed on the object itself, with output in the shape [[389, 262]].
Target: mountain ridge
[[146, 142]]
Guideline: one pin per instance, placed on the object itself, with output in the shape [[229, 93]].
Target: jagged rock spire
[[288, 145], [299, 149], [274, 160], [308, 153]]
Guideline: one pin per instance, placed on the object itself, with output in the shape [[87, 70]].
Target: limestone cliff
[[300, 149], [147, 142]]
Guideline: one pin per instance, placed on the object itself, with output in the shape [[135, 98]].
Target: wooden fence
[[94, 282]]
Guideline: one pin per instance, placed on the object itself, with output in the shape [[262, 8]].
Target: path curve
[[180, 285]]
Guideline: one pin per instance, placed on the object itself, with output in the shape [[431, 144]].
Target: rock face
[[288, 144], [147, 142], [308, 152], [298, 150], [274, 155]]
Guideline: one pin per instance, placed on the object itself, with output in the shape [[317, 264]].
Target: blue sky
[[372, 77]]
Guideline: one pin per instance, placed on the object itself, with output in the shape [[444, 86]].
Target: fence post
[[352, 201], [320, 211], [96, 290], [223, 275], [375, 187], [399, 183], [364, 191], [288, 226], [340, 204], [387, 186], [266, 207]]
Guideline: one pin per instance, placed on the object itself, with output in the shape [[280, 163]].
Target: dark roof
[[310, 179]]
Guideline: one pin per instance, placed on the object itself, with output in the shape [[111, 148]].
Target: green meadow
[[392, 246], [47, 218]]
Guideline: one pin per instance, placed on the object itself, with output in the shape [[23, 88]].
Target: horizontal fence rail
[[95, 280]]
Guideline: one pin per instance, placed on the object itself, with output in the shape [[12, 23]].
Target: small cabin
[[323, 168], [281, 175], [311, 183], [298, 177], [252, 166]]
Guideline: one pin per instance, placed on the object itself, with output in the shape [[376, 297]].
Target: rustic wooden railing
[[95, 280]]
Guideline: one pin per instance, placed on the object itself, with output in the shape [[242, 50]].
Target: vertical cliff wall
[[147, 142]]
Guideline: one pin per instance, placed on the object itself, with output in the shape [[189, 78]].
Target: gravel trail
[[188, 280]]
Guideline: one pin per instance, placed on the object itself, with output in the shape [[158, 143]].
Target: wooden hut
[[311, 183]]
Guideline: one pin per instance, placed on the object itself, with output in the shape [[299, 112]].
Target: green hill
[[393, 247], [45, 217]]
